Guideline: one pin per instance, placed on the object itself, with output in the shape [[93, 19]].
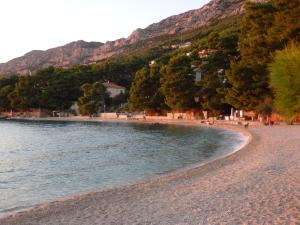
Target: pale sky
[[41, 24]]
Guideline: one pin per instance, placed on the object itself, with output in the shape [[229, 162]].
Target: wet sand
[[260, 184]]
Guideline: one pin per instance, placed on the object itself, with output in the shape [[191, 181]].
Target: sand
[[260, 184]]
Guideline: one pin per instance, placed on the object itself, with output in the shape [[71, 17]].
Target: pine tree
[[287, 20], [178, 84], [93, 97], [144, 93], [267, 27]]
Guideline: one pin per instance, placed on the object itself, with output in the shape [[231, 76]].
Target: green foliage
[[265, 108], [285, 80], [178, 83], [24, 94], [92, 99], [255, 41], [57, 88], [223, 47], [12, 80], [249, 78], [60, 93], [287, 20], [4, 100], [141, 91], [242, 49], [222, 36], [249, 87], [144, 93], [266, 27], [6, 87]]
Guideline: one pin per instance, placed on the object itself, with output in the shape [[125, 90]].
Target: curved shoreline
[[232, 190], [244, 134]]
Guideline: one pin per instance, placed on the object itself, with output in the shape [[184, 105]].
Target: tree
[[248, 78], [285, 80], [6, 88], [266, 27], [249, 87], [59, 92], [178, 83], [145, 93], [223, 47], [287, 20], [93, 97], [4, 100], [265, 108], [24, 95]]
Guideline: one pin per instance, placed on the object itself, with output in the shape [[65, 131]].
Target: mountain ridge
[[81, 52]]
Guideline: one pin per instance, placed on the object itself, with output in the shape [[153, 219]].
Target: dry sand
[[259, 184]]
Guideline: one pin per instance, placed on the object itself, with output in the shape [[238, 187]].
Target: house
[[175, 46], [185, 45], [204, 53], [114, 89], [75, 108], [198, 74]]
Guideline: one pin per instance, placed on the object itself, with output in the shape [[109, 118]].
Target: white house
[[185, 45], [198, 75], [204, 53], [114, 89]]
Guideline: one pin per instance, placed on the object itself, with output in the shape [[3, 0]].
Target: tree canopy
[[266, 27], [92, 99], [285, 80], [145, 93], [232, 55], [178, 83]]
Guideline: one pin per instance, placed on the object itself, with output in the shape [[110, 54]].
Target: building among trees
[[113, 89]]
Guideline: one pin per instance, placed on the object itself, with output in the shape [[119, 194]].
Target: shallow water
[[41, 161]]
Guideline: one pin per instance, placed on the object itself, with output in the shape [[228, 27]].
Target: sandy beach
[[260, 184]]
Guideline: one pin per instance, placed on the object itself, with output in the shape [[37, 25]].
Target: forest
[[250, 62]]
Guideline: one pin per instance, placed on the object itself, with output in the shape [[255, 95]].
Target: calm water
[[40, 161]]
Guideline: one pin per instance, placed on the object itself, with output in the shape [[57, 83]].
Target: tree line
[[240, 66], [236, 71], [58, 88]]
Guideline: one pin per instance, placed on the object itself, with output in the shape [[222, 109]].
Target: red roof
[[112, 85]]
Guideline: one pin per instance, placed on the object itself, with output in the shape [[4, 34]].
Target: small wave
[[7, 171], [13, 209]]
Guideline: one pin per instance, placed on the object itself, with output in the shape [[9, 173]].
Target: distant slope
[[72, 53], [215, 9], [81, 52]]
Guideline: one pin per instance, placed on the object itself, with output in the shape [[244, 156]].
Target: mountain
[[81, 52], [70, 54]]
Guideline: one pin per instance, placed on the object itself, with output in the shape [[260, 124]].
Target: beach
[[258, 184]]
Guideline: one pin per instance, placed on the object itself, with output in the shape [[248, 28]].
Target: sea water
[[42, 161]]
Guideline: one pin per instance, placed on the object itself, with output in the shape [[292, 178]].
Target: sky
[[42, 24]]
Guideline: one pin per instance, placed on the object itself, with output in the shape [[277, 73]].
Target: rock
[[81, 52]]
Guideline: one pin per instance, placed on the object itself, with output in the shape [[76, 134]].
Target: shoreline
[[130, 199]]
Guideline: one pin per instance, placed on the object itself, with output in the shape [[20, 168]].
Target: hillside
[[81, 52]]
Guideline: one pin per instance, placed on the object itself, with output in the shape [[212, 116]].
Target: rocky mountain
[[81, 52], [70, 54], [215, 9]]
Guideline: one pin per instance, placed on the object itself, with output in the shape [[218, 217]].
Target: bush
[[285, 81]]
